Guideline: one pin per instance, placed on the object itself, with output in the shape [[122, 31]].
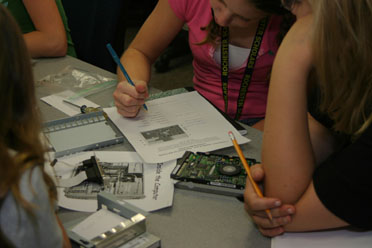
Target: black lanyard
[[248, 69]]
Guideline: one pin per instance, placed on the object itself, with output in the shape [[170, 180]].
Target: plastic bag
[[81, 82]]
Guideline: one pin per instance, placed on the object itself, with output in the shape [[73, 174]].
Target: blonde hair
[[342, 59]]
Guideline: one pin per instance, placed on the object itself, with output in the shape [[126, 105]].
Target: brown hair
[[20, 120], [271, 7], [342, 59]]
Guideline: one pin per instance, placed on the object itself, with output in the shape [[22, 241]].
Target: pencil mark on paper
[[164, 134], [126, 182]]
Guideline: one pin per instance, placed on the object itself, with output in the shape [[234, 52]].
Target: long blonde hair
[[20, 120], [343, 61]]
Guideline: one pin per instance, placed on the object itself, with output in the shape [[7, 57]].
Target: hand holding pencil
[[247, 169], [128, 96]]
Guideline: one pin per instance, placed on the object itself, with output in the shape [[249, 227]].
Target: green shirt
[[18, 10]]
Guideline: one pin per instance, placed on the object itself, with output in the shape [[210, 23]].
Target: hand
[[255, 206], [129, 99]]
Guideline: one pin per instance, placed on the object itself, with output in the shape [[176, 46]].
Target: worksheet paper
[[158, 186], [173, 125], [325, 239]]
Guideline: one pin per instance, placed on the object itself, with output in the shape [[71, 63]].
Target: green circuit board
[[211, 169]]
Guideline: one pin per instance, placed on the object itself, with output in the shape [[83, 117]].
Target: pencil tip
[[269, 215]]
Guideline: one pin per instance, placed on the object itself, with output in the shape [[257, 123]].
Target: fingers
[[129, 99], [257, 172], [271, 232], [283, 210], [266, 223], [256, 205]]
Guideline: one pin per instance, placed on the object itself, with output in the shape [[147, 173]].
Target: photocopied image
[[125, 182], [164, 134], [145, 185]]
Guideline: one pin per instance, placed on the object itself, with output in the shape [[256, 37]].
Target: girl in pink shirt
[[233, 43]]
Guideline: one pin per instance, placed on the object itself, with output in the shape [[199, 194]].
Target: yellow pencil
[[247, 169]]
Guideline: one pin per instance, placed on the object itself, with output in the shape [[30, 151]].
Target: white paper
[[100, 222], [175, 124], [56, 100], [69, 182], [324, 239], [158, 186]]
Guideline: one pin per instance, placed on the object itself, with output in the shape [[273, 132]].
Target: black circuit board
[[212, 169]]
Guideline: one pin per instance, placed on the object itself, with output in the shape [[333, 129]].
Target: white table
[[196, 219]]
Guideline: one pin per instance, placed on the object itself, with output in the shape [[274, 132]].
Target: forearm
[[287, 152], [136, 64], [156, 33], [49, 38]]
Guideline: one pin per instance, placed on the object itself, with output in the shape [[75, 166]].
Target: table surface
[[196, 219]]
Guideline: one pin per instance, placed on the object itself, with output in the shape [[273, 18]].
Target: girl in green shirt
[[44, 26]]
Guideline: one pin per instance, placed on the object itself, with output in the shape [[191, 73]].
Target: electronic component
[[214, 173], [130, 232], [81, 133], [93, 170]]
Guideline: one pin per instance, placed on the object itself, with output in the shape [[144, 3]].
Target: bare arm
[[49, 39], [154, 36], [287, 153], [293, 141]]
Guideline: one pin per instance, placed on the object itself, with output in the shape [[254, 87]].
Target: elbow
[[55, 45], [61, 49], [45, 44], [57, 48]]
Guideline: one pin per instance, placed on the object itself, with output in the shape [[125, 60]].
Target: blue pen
[[117, 61]]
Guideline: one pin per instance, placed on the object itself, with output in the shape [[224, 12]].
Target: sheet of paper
[[173, 125], [158, 186], [56, 100], [98, 223], [324, 239]]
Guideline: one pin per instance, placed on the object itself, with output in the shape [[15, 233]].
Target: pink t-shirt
[[207, 73]]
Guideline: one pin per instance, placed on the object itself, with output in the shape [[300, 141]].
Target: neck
[[243, 36]]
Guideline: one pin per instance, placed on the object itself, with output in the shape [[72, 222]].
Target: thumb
[[141, 87]]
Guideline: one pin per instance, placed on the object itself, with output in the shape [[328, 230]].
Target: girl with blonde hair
[[316, 173]]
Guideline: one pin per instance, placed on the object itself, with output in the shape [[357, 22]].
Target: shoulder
[[301, 30], [32, 185], [20, 228], [187, 10]]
